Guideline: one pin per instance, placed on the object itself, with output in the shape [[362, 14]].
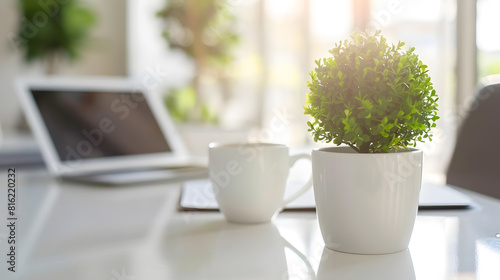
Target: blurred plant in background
[[51, 30], [204, 30]]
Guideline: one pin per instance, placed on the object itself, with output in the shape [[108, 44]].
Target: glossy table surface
[[76, 231]]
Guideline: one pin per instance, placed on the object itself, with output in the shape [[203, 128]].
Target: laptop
[[104, 130]]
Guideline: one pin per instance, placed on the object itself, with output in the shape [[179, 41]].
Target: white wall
[[106, 54]]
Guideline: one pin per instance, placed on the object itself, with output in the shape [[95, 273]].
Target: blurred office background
[[261, 88]]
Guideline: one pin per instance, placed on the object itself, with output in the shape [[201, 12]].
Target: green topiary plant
[[371, 96]]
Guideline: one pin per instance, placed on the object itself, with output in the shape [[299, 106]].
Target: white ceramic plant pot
[[366, 203]]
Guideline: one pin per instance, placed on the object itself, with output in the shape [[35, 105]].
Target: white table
[[72, 231]]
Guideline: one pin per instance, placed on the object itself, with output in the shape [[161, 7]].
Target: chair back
[[475, 163]]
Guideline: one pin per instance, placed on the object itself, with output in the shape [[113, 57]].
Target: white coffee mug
[[249, 179]]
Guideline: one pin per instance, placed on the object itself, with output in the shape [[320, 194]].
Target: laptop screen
[[84, 124]]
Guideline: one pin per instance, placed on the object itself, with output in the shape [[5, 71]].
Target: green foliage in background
[[371, 96], [49, 28], [181, 103], [488, 64], [205, 31]]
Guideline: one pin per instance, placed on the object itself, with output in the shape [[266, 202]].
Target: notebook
[[197, 195], [104, 130]]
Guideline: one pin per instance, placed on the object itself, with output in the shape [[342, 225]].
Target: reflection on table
[[72, 231]]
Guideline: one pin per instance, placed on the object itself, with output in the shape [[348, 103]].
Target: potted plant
[[378, 101]]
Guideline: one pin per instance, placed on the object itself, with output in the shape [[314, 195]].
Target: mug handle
[[306, 186]]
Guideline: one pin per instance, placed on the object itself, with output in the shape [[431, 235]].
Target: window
[[280, 39], [488, 41], [429, 26]]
